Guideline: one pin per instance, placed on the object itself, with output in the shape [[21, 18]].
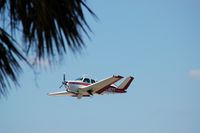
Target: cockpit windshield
[[80, 79]]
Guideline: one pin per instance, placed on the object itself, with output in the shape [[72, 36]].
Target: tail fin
[[125, 84]]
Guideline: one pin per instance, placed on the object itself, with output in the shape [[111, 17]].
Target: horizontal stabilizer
[[125, 84]]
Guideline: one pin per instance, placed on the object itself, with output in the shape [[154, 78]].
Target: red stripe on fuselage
[[79, 83]]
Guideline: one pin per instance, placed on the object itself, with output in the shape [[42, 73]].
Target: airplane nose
[[67, 84]]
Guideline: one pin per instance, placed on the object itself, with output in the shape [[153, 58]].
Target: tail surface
[[125, 84]]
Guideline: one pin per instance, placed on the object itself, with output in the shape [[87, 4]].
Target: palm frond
[[49, 24], [49, 27], [9, 66]]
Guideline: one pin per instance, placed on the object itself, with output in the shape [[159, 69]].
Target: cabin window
[[92, 81], [86, 80]]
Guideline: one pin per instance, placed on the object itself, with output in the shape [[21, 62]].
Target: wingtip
[[118, 76], [48, 94]]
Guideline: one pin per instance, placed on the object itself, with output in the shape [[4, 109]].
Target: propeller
[[63, 82]]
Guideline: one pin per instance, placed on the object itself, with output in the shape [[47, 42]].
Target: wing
[[101, 85], [61, 93]]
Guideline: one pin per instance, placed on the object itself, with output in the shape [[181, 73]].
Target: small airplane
[[86, 87]]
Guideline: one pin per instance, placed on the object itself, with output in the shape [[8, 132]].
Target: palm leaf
[[49, 28], [9, 66]]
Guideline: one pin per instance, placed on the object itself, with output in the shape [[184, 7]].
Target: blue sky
[[155, 41]]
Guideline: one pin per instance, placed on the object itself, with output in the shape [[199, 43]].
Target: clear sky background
[[157, 42]]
